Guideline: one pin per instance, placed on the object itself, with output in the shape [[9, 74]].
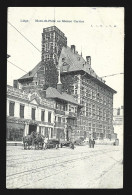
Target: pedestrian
[[45, 142], [72, 145], [90, 142], [93, 142]]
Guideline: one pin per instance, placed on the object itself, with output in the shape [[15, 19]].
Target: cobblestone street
[[83, 167]]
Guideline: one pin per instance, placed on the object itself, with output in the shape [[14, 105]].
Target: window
[[49, 117], [33, 113], [63, 120], [118, 111], [11, 108], [59, 119], [21, 111], [46, 132], [42, 115], [51, 132], [63, 107]]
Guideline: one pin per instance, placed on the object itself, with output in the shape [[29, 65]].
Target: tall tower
[[52, 42]]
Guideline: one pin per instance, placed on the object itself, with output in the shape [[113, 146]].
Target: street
[[83, 167]]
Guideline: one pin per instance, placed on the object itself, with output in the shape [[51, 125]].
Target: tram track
[[46, 159], [53, 157], [57, 164], [66, 168]]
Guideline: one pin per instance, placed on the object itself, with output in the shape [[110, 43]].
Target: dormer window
[[65, 67]]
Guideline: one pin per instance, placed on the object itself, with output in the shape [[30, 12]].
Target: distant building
[[118, 114], [95, 115]]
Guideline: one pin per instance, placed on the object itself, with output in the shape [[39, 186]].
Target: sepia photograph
[[65, 101]]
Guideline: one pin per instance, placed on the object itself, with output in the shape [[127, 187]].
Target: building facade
[[118, 122], [65, 114], [95, 116], [53, 115], [27, 112]]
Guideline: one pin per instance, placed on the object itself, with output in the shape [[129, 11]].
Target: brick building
[[78, 79]]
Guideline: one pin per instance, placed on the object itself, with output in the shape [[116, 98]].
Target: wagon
[[52, 143], [67, 144]]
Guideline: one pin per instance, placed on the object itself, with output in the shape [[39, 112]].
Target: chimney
[[73, 48], [15, 83], [30, 73], [59, 84], [88, 59]]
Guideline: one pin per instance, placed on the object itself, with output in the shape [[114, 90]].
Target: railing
[[17, 92], [60, 112], [72, 114], [24, 95]]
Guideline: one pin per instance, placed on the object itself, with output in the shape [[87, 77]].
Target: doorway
[[68, 134], [32, 128]]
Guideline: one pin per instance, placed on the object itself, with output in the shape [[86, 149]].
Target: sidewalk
[[14, 143]]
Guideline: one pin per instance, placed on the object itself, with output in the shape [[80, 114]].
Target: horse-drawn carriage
[[38, 141]]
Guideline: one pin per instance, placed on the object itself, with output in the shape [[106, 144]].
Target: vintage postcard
[[65, 75]]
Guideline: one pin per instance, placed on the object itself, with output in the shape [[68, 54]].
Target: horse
[[29, 140], [39, 141]]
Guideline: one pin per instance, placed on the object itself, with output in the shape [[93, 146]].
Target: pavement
[[64, 168]]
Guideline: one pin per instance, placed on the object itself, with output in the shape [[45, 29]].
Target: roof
[[32, 72], [76, 62], [53, 93]]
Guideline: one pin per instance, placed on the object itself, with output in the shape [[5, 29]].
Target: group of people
[[91, 143]]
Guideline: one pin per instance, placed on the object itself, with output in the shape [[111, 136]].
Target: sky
[[96, 31]]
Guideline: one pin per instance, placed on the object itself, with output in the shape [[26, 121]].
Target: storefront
[[14, 131]]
